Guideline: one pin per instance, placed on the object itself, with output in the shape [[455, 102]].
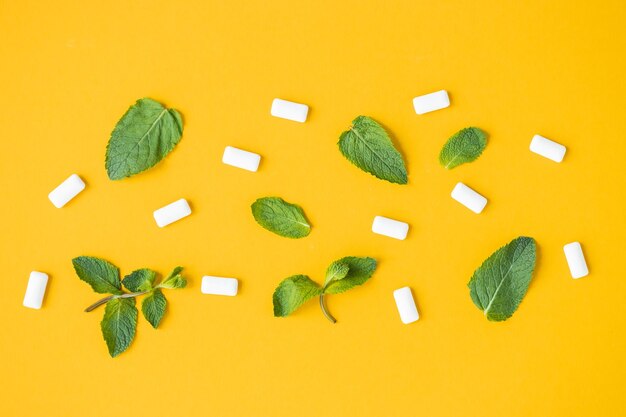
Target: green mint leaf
[[499, 284], [292, 292], [464, 146], [336, 271], [119, 324], [145, 134], [153, 307], [140, 280], [102, 276], [368, 146], [360, 270], [174, 279], [280, 217]]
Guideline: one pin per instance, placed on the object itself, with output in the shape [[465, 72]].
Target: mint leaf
[[368, 146], [174, 279], [280, 217], [119, 324], [153, 307], [139, 280], [464, 146], [101, 275], [292, 292], [359, 271], [336, 271], [499, 284], [145, 134]]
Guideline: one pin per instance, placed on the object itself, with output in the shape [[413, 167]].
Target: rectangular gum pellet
[[172, 212], [576, 260], [67, 190], [389, 227], [431, 102], [406, 305], [35, 290], [547, 148], [241, 159], [289, 110], [219, 285], [469, 198]]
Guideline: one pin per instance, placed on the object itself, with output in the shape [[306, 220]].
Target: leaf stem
[[325, 310], [111, 297]]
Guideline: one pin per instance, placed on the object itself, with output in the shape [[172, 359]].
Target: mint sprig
[[342, 275], [120, 315]]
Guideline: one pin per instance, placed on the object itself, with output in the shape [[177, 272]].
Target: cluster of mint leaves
[[342, 275], [120, 315]]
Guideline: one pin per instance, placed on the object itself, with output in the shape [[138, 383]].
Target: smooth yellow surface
[[69, 70]]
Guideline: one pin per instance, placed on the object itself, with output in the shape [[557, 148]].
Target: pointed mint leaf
[[153, 307], [145, 134], [500, 283], [140, 280], [466, 145], [359, 271], [174, 279], [280, 217], [368, 146], [102, 276], [292, 292], [119, 324]]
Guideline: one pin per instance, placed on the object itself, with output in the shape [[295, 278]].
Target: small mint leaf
[[464, 146], [140, 280], [360, 270], [174, 279], [336, 271], [153, 307], [500, 283], [280, 217], [292, 292], [368, 146], [145, 134], [119, 324], [102, 276]]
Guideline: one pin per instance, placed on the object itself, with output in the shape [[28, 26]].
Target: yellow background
[[70, 69]]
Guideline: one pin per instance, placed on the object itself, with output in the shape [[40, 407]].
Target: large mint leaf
[[292, 292], [368, 146], [103, 276], [119, 324], [153, 307], [140, 280], [464, 146], [145, 134], [359, 271], [280, 217], [499, 284]]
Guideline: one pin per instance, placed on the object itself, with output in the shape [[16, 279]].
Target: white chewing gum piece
[[469, 198], [219, 286], [406, 305], [431, 102], [241, 159], [35, 290], [389, 227], [289, 110], [66, 191], [547, 148], [172, 212], [576, 260]]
